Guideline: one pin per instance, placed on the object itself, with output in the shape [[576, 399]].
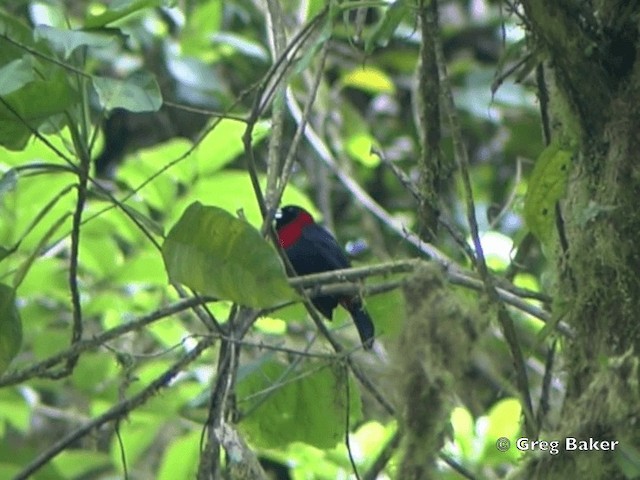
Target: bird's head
[[291, 213]]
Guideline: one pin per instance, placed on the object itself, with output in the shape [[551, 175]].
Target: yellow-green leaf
[[369, 79], [547, 185]]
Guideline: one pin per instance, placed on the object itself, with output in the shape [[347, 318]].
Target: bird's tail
[[363, 322]]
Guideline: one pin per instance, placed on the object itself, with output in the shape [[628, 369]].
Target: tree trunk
[[594, 79]]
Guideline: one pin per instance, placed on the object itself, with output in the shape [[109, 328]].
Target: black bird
[[312, 249]]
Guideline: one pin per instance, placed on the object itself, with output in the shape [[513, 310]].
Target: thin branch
[[121, 410], [462, 160], [383, 457], [277, 44], [83, 175], [347, 424], [291, 154], [264, 95], [40, 369], [361, 195], [240, 320]]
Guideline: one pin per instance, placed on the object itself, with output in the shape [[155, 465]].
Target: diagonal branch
[[121, 410], [506, 322]]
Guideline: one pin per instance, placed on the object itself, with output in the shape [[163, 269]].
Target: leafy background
[[118, 117]]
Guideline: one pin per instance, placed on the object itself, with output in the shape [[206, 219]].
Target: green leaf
[[547, 185], [35, 253], [224, 143], [627, 458], [369, 79], [19, 34], [503, 420], [32, 105], [388, 25], [308, 405], [81, 463], [5, 252], [359, 143], [8, 182], [463, 428], [360, 146], [180, 459], [195, 38], [119, 10], [67, 41], [138, 93], [10, 327], [214, 253], [16, 74]]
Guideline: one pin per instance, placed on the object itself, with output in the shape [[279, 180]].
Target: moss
[[431, 354]]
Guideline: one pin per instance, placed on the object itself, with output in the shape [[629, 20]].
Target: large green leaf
[[32, 105], [180, 458], [118, 10], [546, 186], [503, 420], [217, 254], [66, 41], [307, 405], [138, 93], [10, 327], [16, 35], [224, 143], [16, 74]]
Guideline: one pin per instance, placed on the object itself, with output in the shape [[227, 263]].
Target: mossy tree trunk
[[593, 73]]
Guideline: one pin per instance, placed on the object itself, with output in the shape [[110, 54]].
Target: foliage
[[144, 145]]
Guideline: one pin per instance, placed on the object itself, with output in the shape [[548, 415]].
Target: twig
[[383, 457], [347, 423], [543, 407], [263, 97], [360, 194], [40, 369], [277, 44], [118, 411], [461, 156], [83, 176], [291, 154]]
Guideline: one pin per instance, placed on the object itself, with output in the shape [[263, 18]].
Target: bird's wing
[[327, 248]]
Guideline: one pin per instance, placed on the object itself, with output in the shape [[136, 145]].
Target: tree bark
[[595, 93]]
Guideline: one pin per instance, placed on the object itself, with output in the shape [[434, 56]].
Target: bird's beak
[[278, 214]]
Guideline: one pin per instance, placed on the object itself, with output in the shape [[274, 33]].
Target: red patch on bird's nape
[[290, 233]]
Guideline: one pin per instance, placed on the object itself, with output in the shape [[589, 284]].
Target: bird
[[312, 249]]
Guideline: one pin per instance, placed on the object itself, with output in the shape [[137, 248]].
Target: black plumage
[[312, 249]]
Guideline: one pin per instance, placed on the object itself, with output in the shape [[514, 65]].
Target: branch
[[360, 194], [121, 410], [40, 369], [512, 296], [506, 322]]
